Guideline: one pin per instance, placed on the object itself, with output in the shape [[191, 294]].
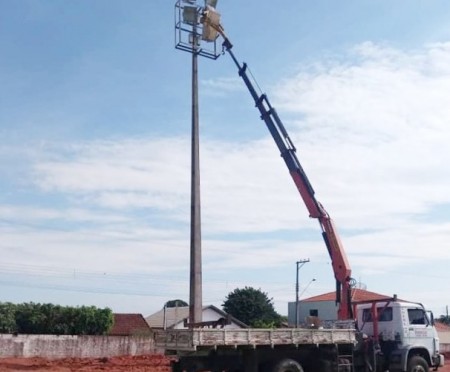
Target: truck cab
[[402, 334]]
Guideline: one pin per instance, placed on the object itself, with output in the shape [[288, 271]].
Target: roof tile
[[357, 296], [129, 325]]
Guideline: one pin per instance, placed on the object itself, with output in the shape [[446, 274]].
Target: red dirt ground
[[145, 363]]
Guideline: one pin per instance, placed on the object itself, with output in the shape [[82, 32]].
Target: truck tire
[[287, 365], [417, 364]]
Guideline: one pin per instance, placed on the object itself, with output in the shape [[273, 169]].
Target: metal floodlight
[[212, 3], [197, 28], [190, 15], [211, 24], [194, 39]]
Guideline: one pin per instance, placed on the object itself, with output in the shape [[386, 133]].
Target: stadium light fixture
[[196, 25], [211, 3], [190, 15]]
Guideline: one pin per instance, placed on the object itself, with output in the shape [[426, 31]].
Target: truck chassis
[[262, 350]]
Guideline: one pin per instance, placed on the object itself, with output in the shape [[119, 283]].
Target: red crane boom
[[341, 267]]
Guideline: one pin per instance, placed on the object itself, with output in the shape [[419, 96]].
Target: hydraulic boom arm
[[341, 267]]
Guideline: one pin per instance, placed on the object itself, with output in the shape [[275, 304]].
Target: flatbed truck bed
[[193, 339], [254, 350]]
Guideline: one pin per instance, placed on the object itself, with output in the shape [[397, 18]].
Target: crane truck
[[373, 336]]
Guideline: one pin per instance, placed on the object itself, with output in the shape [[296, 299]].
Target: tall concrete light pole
[[199, 40]]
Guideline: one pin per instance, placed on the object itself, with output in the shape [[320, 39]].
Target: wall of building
[[51, 346], [444, 348], [327, 310], [444, 337]]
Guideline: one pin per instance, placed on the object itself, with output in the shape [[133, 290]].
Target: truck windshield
[[417, 316]]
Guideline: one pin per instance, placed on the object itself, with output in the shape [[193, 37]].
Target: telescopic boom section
[[341, 267]]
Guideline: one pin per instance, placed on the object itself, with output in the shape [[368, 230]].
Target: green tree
[[88, 320], [176, 303], [253, 307], [8, 317], [104, 321], [31, 318]]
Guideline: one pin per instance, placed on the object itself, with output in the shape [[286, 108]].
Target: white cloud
[[221, 86], [117, 165], [154, 173], [22, 214], [375, 132]]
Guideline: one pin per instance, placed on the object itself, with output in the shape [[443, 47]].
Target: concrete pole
[[298, 265], [195, 296]]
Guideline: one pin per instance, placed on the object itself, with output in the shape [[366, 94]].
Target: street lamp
[[194, 34], [307, 286]]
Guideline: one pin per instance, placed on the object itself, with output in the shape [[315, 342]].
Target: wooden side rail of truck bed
[[192, 339]]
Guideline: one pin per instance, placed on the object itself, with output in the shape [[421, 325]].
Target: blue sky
[[95, 130]]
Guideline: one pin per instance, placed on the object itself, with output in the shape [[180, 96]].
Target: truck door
[[420, 331]]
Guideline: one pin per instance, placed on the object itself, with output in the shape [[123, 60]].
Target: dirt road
[[148, 363]]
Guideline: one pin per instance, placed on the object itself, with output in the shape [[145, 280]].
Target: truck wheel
[[417, 364], [287, 365]]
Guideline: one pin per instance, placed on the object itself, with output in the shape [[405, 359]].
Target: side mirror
[[431, 316]]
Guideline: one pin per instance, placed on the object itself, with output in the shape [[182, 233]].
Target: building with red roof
[[129, 325], [358, 295], [175, 317], [444, 336], [324, 306]]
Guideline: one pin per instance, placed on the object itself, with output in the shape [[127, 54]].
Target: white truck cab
[[402, 332]]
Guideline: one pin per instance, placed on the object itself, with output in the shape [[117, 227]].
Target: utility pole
[[298, 264]]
